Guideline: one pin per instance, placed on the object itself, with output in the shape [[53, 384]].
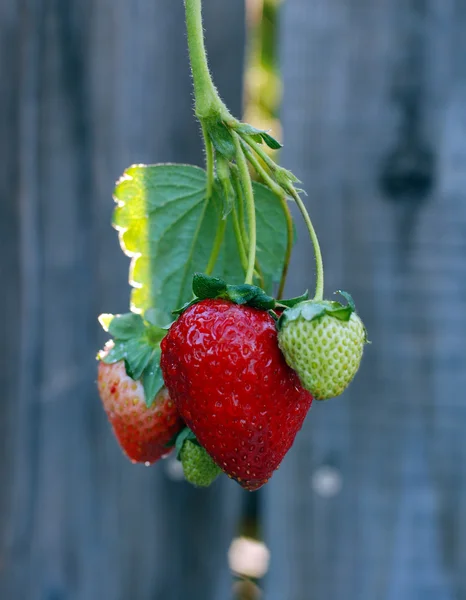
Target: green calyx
[[206, 287], [310, 310], [198, 466], [136, 341]]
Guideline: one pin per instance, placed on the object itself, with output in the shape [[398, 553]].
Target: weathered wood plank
[[92, 87], [374, 119]]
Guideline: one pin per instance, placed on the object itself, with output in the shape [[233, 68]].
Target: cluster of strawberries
[[239, 377]]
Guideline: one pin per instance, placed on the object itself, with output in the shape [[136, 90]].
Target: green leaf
[[205, 286], [124, 327], [152, 379], [167, 225], [153, 317], [105, 319]]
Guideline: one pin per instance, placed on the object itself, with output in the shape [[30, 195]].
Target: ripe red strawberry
[[225, 372], [143, 433]]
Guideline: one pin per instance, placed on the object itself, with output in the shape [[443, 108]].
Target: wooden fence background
[[371, 501]]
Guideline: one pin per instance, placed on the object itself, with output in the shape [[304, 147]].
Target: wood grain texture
[[366, 81], [92, 86]]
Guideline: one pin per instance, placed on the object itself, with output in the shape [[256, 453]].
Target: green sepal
[[252, 295], [293, 301], [258, 135], [221, 137], [226, 191], [116, 353], [152, 378], [183, 435], [206, 286], [348, 297], [138, 353], [310, 310], [136, 341], [271, 141]]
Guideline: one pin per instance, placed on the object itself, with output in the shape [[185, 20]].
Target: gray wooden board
[[371, 501], [87, 89]]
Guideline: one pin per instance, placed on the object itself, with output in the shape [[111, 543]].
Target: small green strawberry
[[323, 342], [198, 467]]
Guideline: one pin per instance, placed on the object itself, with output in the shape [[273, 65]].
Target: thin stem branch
[[209, 157], [307, 219], [220, 234], [277, 190], [246, 183], [289, 245], [239, 240], [319, 293]]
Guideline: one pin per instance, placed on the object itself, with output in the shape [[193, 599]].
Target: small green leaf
[[105, 319], [270, 141], [205, 286], [152, 379], [124, 327]]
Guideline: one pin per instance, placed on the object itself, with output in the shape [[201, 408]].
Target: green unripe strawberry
[[198, 467], [323, 342]]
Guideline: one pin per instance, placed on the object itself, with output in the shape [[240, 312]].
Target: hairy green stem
[[258, 149], [239, 240], [209, 157], [278, 191], [319, 293], [246, 184], [273, 185], [220, 234], [289, 245]]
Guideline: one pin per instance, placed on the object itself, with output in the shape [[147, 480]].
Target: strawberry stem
[[207, 101], [289, 245], [220, 234], [319, 292], [270, 173], [245, 179], [209, 155]]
